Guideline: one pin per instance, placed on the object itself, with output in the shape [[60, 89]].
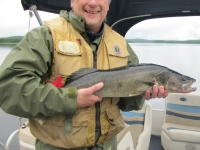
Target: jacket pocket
[[65, 59], [68, 48], [117, 60], [115, 120], [57, 120], [55, 128], [78, 135]]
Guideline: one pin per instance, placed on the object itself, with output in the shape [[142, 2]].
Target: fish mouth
[[186, 87]]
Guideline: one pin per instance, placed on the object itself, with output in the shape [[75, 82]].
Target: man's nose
[[92, 2]]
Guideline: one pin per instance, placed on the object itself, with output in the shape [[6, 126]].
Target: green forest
[[163, 41], [16, 39], [11, 39]]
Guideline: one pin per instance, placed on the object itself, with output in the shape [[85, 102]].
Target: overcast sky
[[15, 21]]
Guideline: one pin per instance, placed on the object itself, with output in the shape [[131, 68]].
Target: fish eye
[[184, 79]]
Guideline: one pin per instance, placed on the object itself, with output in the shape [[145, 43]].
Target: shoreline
[[131, 42], [8, 43]]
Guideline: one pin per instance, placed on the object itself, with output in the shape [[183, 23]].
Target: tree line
[[17, 39], [11, 39], [163, 41]]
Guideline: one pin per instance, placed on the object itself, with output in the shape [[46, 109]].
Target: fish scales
[[131, 80]]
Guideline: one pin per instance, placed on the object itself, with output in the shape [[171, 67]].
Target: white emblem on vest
[[68, 47]]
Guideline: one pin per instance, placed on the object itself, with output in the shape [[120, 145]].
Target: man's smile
[[92, 12]]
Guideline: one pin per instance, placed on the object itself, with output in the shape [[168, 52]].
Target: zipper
[[97, 104], [98, 125], [95, 59]]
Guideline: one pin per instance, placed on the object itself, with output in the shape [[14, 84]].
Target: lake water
[[183, 58], [8, 123]]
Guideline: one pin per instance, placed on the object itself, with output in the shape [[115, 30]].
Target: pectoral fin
[[162, 78], [148, 80]]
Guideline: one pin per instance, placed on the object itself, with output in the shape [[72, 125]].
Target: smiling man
[[33, 74], [94, 12]]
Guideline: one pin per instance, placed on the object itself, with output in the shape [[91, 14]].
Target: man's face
[[94, 12]]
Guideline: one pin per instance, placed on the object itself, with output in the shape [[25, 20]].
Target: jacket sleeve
[[21, 75], [136, 102]]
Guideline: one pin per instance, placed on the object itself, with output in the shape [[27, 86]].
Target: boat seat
[[136, 135], [26, 139], [181, 129]]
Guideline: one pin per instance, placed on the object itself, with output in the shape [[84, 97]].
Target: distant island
[[163, 41], [16, 39], [11, 40]]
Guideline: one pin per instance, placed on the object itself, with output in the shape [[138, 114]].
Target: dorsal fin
[[115, 69], [85, 71], [80, 73]]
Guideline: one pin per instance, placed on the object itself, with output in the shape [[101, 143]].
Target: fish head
[[178, 83]]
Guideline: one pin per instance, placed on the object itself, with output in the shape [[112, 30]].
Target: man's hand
[[157, 92], [86, 96]]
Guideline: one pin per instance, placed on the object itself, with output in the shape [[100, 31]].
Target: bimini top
[[123, 14]]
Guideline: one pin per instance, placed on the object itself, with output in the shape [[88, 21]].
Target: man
[[67, 118]]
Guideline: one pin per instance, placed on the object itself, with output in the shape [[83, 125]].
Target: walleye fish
[[131, 80]]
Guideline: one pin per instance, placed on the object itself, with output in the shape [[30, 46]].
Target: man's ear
[[71, 3]]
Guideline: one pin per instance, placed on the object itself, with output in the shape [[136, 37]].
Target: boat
[[176, 127]]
